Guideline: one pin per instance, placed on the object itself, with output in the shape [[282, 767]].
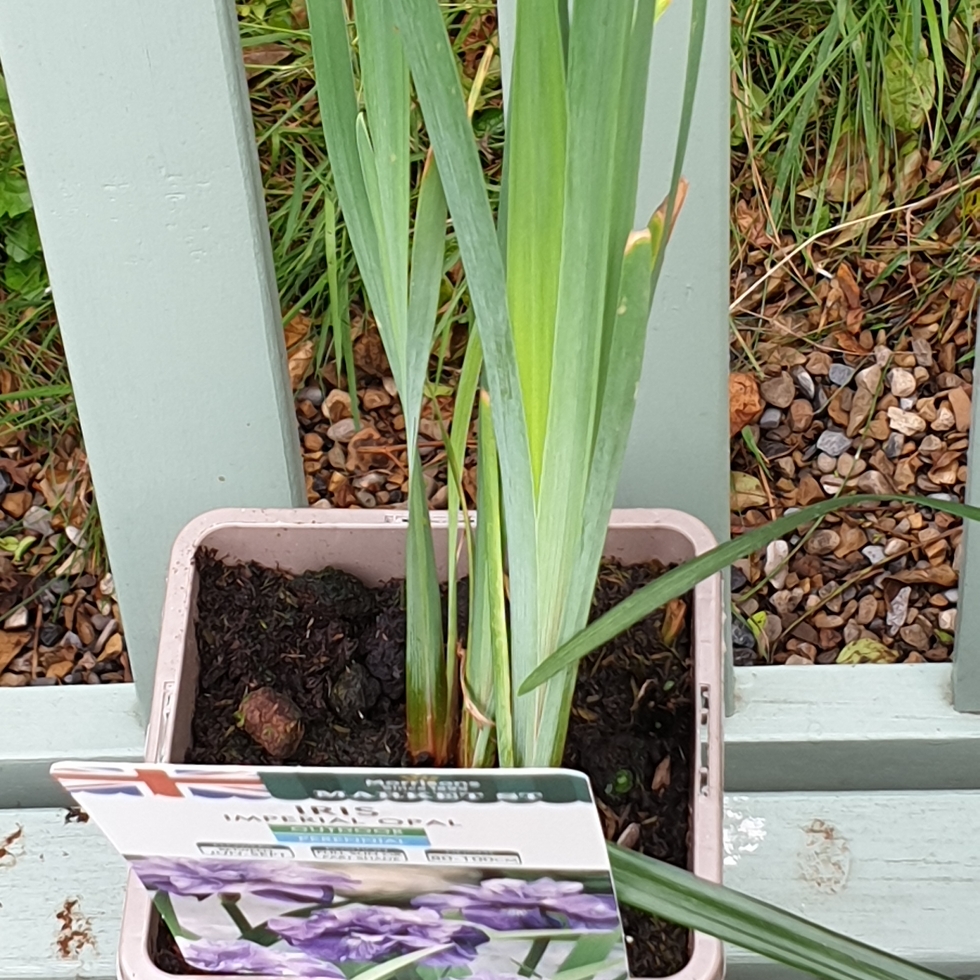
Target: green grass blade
[[493, 661], [680, 897], [339, 326], [338, 113], [682, 579], [627, 336], [616, 412], [469, 378], [434, 70], [385, 90], [429, 729], [535, 147], [428, 253], [629, 139], [598, 49]]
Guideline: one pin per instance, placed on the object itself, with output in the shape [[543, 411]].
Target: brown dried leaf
[[849, 285], [300, 361], [661, 776], [744, 402], [261, 55], [10, 646], [940, 575], [296, 330], [674, 617]]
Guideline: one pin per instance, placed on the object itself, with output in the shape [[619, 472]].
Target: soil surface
[[337, 649]]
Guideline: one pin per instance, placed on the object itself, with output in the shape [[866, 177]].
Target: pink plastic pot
[[371, 545]]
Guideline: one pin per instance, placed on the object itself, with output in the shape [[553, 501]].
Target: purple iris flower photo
[[371, 934], [508, 904], [241, 956], [278, 880]]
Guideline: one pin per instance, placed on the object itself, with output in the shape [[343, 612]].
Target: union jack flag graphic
[[206, 782]]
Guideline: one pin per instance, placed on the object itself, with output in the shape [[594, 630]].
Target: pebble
[[770, 418], [947, 620], [943, 422], [867, 610], [38, 521], [51, 634], [778, 391], [840, 374], [893, 447], [313, 442], [809, 492], [898, 610], [739, 579], [796, 660], [776, 554], [874, 482], [370, 481], [786, 600], [337, 457], [742, 636], [342, 430], [833, 442], [915, 636], [336, 405], [823, 542], [800, 415], [869, 378], [875, 554], [743, 656], [961, 404], [772, 628], [905, 422], [953, 595], [375, 398], [819, 363], [804, 382], [16, 620], [901, 382], [365, 499], [922, 350], [312, 394], [826, 463]]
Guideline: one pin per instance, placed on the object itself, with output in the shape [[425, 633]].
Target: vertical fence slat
[[139, 147], [966, 652]]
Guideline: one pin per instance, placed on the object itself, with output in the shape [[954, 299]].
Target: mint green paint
[[898, 870], [139, 147], [966, 652], [863, 727], [43, 725]]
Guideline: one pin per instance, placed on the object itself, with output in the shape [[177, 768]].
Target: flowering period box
[[421, 874]]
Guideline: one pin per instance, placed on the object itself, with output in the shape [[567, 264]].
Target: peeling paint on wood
[[826, 859], [12, 847], [76, 931]]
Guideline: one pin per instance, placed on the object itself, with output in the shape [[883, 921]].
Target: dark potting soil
[[337, 649]]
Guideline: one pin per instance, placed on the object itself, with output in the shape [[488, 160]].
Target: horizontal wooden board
[[42, 725], [864, 727], [898, 870]]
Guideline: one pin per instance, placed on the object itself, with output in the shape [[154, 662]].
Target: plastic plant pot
[[371, 545]]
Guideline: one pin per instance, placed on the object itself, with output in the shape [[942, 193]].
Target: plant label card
[[408, 874]]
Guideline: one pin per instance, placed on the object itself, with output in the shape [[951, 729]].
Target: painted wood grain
[[898, 870], [146, 188], [863, 727]]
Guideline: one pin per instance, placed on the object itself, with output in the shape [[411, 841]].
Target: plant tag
[[392, 873]]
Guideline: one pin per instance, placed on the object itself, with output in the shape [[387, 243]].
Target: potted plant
[[562, 290]]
